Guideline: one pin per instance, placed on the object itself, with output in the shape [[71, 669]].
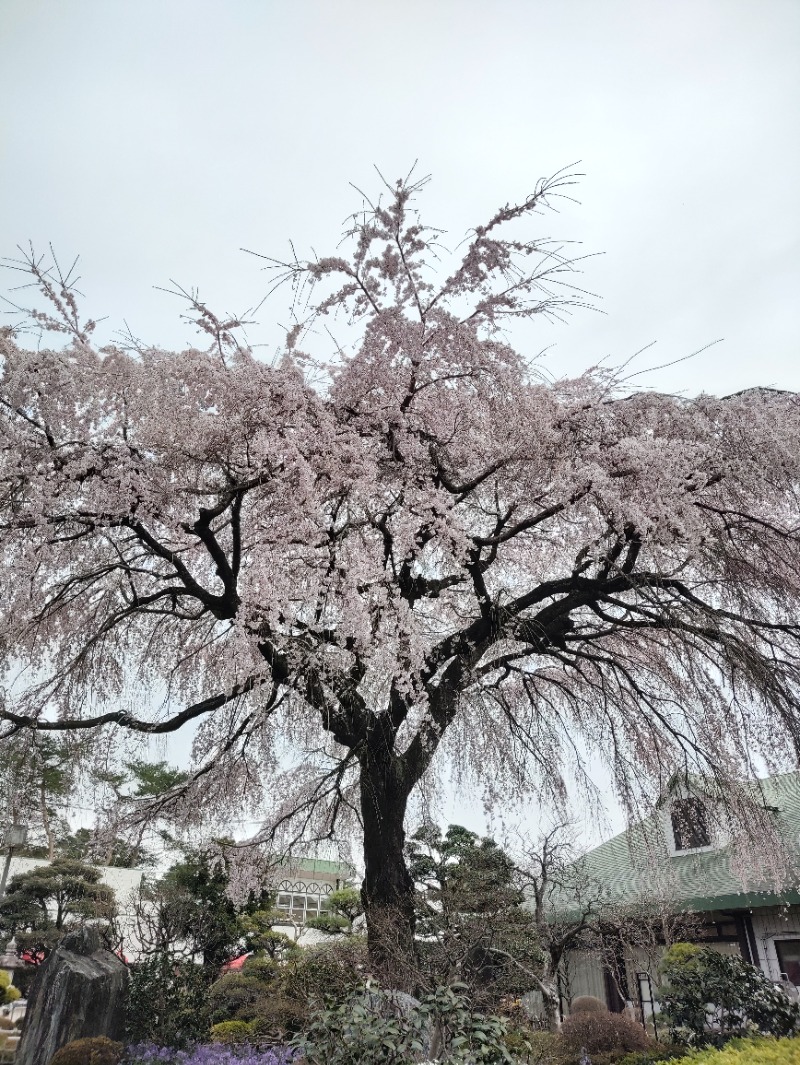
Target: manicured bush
[[257, 996], [8, 993], [587, 1004], [232, 1032], [535, 1048], [236, 996], [276, 999], [95, 1051], [708, 997], [333, 969], [602, 1033]]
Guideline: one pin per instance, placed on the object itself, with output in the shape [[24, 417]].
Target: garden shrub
[[279, 1018], [8, 993], [98, 1050], [517, 1043], [236, 996], [331, 970], [232, 1032], [275, 1000], [535, 1047], [168, 1002], [256, 995], [708, 997], [587, 1004], [748, 1052], [466, 1035], [602, 1033], [6, 1024], [369, 1029], [658, 1052]]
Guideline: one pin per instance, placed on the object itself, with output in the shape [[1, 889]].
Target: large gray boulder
[[79, 991]]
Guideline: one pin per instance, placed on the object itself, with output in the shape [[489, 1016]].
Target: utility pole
[[15, 836]]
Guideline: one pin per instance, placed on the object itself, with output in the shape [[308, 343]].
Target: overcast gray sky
[[157, 138]]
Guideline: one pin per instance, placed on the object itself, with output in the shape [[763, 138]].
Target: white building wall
[[770, 925], [584, 976], [125, 884]]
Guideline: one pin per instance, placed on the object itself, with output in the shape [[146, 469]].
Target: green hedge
[[749, 1052]]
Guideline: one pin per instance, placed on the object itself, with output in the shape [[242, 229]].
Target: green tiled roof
[[319, 865], [635, 864]]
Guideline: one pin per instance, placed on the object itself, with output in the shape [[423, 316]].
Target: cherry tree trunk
[[387, 890]]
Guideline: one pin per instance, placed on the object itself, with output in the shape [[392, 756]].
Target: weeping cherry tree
[[415, 554]]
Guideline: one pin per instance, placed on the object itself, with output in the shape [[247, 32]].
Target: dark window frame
[[788, 967], [690, 828]]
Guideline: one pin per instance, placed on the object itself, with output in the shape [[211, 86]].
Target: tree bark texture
[[387, 890]]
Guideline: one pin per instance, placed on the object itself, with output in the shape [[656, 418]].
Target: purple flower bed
[[208, 1054]]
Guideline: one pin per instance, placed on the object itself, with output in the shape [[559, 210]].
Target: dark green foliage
[[256, 996], [82, 846], [465, 873], [242, 994], [152, 779], [369, 1028], [602, 1033], [701, 986], [188, 915], [37, 775], [168, 1002], [344, 906], [470, 919], [275, 998], [40, 905], [210, 920], [256, 929], [192, 928], [331, 969], [98, 1050]]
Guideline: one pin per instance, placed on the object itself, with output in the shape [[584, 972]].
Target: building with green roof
[[304, 884], [683, 857]]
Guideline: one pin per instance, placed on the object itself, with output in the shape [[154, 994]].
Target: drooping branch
[[126, 720]]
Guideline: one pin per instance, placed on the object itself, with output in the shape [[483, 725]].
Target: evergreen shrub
[[232, 1032], [168, 1001], [709, 997], [99, 1050], [368, 1028]]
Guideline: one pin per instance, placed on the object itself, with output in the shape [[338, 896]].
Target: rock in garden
[[79, 991]]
